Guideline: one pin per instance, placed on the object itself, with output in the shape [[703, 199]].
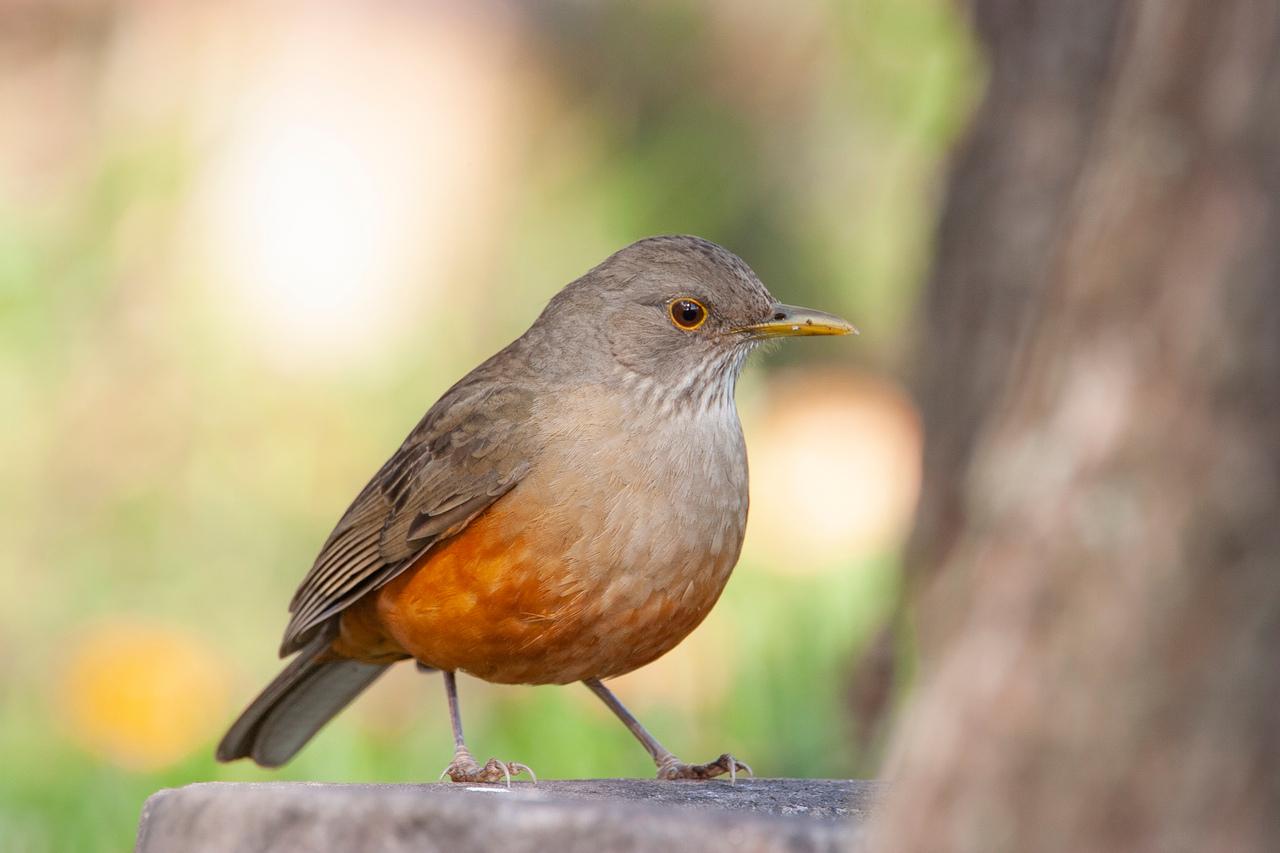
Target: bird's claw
[[673, 768], [464, 768]]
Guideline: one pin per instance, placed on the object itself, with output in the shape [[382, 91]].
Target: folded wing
[[464, 455]]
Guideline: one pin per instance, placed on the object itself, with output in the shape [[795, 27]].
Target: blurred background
[[231, 239]]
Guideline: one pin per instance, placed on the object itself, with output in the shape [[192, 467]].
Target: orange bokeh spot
[[142, 696], [835, 470]]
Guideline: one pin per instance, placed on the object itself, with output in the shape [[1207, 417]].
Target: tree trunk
[[1099, 547]]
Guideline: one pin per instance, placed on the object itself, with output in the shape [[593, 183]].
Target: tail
[[296, 705]]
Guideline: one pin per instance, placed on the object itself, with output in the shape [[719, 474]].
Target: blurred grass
[[161, 469], [782, 714]]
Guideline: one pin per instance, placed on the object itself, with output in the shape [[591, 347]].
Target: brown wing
[[464, 455]]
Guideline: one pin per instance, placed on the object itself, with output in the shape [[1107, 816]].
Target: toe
[[492, 771], [726, 763], [517, 768], [458, 772], [733, 766]]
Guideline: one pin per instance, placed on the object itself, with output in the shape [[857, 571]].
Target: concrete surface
[[594, 814]]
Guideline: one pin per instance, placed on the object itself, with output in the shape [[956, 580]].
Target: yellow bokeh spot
[[142, 696]]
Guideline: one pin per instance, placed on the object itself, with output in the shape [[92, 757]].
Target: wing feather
[[465, 454]]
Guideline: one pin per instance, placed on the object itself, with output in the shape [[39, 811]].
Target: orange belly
[[501, 602]]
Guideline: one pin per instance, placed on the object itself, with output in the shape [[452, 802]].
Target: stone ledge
[[588, 815]]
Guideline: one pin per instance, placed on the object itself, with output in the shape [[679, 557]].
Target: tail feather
[[296, 705]]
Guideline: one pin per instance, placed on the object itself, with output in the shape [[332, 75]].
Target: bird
[[569, 511]]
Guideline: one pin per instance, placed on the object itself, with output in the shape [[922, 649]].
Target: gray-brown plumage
[[568, 511]]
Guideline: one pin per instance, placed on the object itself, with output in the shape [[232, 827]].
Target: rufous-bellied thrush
[[569, 511]]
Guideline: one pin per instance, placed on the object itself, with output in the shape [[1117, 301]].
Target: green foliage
[[158, 470]]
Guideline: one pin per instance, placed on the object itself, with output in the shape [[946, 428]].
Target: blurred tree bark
[[1098, 553]]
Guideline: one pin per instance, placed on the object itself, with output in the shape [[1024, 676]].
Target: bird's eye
[[688, 313]]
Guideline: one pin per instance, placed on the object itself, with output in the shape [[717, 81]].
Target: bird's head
[[680, 313]]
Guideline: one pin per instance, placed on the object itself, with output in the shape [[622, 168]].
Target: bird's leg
[[669, 767], [464, 768]]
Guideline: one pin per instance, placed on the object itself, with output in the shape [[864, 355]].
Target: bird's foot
[[672, 768], [464, 768]]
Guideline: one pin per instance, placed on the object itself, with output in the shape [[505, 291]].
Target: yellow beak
[[792, 321]]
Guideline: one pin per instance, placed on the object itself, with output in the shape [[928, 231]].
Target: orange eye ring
[[687, 313]]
